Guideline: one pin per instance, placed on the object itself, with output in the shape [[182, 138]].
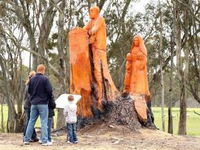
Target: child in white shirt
[[71, 119]]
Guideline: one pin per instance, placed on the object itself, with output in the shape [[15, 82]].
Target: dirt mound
[[108, 137]]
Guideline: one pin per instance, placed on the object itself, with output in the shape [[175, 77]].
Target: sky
[[139, 6]]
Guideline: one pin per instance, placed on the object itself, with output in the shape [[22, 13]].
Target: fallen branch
[[197, 113]]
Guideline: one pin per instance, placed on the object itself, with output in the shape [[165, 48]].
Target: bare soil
[[103, 137]]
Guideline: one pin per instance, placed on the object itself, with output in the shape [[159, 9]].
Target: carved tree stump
[[122, 112], [97, 104], [118, 112]]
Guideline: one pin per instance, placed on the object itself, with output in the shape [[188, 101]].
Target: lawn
[[193, 120]]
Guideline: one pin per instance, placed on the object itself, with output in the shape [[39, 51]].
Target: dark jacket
[[52, 106], [40, 89], [27, 103]]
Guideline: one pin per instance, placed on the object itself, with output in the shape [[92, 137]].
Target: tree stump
[[118, 112], [123, 112]]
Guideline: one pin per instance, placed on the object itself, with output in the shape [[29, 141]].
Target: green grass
[[193, 120]]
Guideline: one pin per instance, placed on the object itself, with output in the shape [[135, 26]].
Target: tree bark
[[181, 73], [161, 71], [170, 117], [63, 58]]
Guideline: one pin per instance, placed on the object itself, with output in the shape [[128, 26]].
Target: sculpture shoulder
[[101, 19], [129, 57]]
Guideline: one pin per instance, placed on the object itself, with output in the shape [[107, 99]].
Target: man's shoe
[[50, 143], [75, 142], [26, 143], [34, 140], [45, 144], [68, 142], [40, 141]]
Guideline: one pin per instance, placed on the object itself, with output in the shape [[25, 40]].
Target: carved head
[[136, 41], [94, 12], [139, 42]]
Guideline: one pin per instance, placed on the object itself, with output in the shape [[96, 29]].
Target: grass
[[193, 120]]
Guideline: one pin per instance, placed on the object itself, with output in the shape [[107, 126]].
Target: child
[[71, 119]]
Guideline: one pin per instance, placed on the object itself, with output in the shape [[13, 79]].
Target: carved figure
[[89, 72], [136, 80], [96, 28]]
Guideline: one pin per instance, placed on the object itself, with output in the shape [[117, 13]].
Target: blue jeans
[[49, 128], [71, 132], [34, 135], [42, 111]]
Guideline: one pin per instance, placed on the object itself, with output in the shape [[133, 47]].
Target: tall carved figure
[[80, 70], [89, 73], [96, 28], [136, 80]]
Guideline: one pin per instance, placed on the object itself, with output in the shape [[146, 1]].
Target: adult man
[[96, 28], [40, 91]]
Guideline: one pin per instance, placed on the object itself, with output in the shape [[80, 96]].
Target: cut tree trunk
[[122, 112], [119, 112]]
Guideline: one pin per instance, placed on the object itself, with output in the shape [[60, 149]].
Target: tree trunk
[[170, 117], [170, 120], [2, 114], [122, 112], [161, 71], [63, 64], [180, 61]]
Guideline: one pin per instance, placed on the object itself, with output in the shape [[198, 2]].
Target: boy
[[71, 119]]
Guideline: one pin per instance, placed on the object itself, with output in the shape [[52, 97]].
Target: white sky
[[139, 6]]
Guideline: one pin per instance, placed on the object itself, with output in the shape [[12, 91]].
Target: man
[[40, 91], [97, 39]]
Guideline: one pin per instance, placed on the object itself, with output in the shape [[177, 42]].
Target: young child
[[71, 119]]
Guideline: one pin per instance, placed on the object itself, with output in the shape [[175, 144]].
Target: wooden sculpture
[[80, 70], [136, 80], [89, 71]]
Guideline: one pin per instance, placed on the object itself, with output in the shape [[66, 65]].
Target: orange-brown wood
[[89, 72], [140, 106], [80, 70], [136, 80], [96, 28]]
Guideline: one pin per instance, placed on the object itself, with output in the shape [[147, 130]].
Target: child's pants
[[71, 132]]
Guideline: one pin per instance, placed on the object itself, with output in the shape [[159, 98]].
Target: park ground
[[104, 137], [193, 120]]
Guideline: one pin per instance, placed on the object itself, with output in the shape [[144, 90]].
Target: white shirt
[[70, 112]]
